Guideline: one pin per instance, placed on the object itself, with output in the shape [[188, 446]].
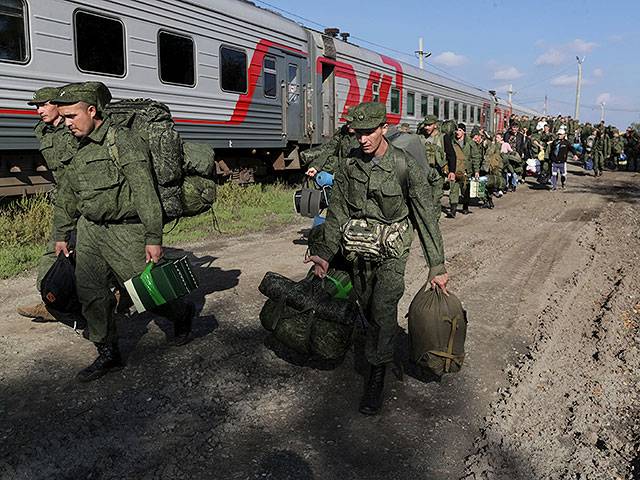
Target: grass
[[25, 224]]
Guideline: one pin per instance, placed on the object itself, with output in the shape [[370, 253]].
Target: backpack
[[435, 152], [410, 143], [59, 293], [461, 162], [172, 160], [437, 331], [590, 141], [305, 317]]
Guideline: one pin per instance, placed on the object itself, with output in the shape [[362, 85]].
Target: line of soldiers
[[112, 205]]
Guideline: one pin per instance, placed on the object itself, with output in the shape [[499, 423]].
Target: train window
[[478, 115], [456, 111], [269, 78], [436, 106], [375, 92], [233, 70], [424, 105], [464, 113], [103, 53], [411, 104], [446, 110], [175, 54], [395, 101], [471, 113], [294, 84], [13, 31]]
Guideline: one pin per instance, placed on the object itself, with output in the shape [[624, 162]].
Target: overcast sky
[[491, 44]]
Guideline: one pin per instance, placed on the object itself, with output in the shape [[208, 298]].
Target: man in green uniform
[[113, 202], [599, 149], [472, 157], [617, 148], [57, 146], [372, 193], [440, 153]]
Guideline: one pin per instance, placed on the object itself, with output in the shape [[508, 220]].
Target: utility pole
[[421, 55], [578, 89], [545, 105], [602, 104], [511, 92]]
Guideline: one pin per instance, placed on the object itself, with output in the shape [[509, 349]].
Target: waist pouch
[[373, 240]]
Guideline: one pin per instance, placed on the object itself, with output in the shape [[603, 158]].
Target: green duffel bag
[[437, 331], [306, 318], [198, 195]]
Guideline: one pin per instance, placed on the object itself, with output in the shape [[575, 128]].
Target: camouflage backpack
[[435, 152], [183, 172]]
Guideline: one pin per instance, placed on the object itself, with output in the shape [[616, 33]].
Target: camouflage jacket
[[473, 153], [57, 146], [327, 156], [102, 191], [363, 190], [617, 145]]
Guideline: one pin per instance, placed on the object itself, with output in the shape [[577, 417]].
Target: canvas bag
[[437, 331]]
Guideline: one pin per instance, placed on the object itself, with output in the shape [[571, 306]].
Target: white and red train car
[[253, 84]]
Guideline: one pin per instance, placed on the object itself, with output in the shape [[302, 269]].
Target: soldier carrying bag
[[437, 331]]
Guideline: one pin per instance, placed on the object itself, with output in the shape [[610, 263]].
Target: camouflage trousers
[[598, 162], [456, 189], [437, 190], [379, 286], [105, 253]]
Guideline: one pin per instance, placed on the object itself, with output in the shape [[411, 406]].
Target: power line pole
[[545, 105], [602, 104], [421, 55], [511, 92], [578, 89]]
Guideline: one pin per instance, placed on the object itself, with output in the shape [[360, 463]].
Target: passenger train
[[256, 86]]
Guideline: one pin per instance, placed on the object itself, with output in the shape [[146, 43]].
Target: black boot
[[465, 209], [452, 211], [108, 360], [372, 398], [182, 327], [490, 202]]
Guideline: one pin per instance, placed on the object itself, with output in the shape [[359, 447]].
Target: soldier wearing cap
[[473, 158], [327, 156], [369, 195], [440, 153], [113, 202], [57, 146]]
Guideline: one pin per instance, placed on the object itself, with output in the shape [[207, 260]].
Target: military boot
[[452, 211], [465, 209], [109, 360], [372, 398], [38, 312], [182, 327]]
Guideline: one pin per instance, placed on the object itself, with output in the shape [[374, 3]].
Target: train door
[[293, 97], [329, 121]]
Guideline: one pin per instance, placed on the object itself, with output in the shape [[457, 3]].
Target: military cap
[[514, 123], [430, 120], [368, 115], [44, 95], [348, 117], [475, 131], [93, 93], [404, 124], [462, 126]]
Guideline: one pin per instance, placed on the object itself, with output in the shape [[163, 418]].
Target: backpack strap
[[400, 159]]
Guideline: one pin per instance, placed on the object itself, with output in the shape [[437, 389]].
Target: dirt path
[[550, 281]]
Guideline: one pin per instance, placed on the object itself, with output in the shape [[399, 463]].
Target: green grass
[[25, 224]]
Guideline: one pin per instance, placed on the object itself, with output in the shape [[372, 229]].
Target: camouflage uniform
[[473, 154], [369, 189], [599, 149], [327, 156], [117, 211]]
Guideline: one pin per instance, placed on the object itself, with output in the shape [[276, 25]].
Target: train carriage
[[246, 80]]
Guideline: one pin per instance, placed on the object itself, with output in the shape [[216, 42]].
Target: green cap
[[348, 117], [475, 131], [368, 115], [44, 95], [93, 93], [430, 120], [405, 125]]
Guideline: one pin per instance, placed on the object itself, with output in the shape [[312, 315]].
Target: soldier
[[617, 148], [439, 153], [473, 158], [632, 148], [57, 146], [114, 204], [599, 149], [373, 192]]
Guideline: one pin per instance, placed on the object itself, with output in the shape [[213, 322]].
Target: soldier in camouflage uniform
[[617, 148], [440, 153], [57, 146], [599, 149], [473, 158], [369, 196], [115, 207]]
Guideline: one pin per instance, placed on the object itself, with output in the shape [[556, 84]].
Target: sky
[[492, 44]]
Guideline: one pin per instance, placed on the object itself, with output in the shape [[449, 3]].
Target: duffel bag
[[437, 331], [306, 318]]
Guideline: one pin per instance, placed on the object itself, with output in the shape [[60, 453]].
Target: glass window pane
[[436, 107], [176, 59], [446, 110], [464, 113], [294, 84], [269, 78], [456, 111], [13, 32], [472, 114], [99, 44], [395, 101], [233, 70], [424, 105], [375, 91], [411, 104], [478, 115]]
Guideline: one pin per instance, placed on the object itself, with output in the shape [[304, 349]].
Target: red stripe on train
[[18, 112]]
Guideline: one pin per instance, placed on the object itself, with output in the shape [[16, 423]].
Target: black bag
[[306, 318], [59, 294]]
